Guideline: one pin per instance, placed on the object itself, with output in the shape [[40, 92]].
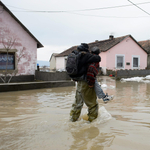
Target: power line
[[17, 7], [74, 11], [139, 7], [105, 16], [27, 10]]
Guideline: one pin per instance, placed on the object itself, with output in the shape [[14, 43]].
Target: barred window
[[7, 62]]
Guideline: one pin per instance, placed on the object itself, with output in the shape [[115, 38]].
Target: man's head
[[83, 47], [95, 50]]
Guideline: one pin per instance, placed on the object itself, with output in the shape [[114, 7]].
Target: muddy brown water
[[39, 119]]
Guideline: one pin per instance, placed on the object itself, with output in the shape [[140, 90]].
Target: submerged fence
[[51, 76], [39, 75], [128, 73], [58, 76], [21, 78]]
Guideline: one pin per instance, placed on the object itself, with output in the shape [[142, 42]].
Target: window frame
[[15, 55], [136, 56], [120, 55]]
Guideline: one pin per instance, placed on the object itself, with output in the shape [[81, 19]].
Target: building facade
[[18, 47], [116, 53]]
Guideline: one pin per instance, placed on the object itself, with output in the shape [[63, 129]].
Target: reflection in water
[[133, 93], [91, 138], [82, 137], [39, 119]]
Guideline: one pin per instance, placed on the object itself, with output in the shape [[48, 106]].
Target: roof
[[104, 45], [145, 45], [67, 52], [39, 45], [54, 54]]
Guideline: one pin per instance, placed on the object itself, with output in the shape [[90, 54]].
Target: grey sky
[[59, 31]]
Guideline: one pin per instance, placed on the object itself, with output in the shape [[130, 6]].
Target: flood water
[[39, 119]]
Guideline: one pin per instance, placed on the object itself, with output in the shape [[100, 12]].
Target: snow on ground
[[137, 79], [105, 86]]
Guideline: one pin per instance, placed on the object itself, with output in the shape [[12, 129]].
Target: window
[[9, 64], [135, 62], [5, 63], [120, 61]]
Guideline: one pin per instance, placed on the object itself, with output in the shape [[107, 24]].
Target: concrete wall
[[131, 73], [51, 76], [34, 85], [39, 75], [47, 80], [22, 78]]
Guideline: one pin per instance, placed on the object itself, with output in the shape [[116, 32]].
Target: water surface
[[39, 119]]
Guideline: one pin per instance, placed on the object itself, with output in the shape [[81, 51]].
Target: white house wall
[[53, 63], [60, 63]]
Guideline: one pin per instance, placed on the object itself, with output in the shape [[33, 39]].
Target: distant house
[[62, 58], [146, 46], [116, 53], [20, 44], [53, 62]]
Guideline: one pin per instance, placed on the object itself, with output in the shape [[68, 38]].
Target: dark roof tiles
[[145, 45], [103, 45], [107, 44], [67, 52]]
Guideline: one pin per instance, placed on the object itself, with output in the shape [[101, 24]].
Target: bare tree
[[20, 55], [9, 40]]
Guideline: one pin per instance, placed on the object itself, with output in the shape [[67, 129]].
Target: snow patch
[[104, 86], [137, 79]]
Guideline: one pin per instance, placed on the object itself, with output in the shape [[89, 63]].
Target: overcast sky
[[61, 24]]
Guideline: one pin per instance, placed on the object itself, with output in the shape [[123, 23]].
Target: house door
[[135, 62]]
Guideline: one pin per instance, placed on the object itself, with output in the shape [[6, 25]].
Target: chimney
[[111, 37]]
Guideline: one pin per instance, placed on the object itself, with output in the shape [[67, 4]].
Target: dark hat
[[83, 47], [95, 50], [80, 48]]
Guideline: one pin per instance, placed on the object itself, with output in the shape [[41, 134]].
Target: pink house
[[20, 44], [146, 45], [116, 53], [122, 53]]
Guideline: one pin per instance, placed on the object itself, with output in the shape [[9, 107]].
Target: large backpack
[[72, 64]]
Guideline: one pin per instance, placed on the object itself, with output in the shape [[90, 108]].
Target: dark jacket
[[85, 58]]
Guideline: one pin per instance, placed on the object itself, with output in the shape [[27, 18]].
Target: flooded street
[[39, 119]]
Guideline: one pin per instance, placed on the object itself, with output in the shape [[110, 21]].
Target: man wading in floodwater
[[84, 94]]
